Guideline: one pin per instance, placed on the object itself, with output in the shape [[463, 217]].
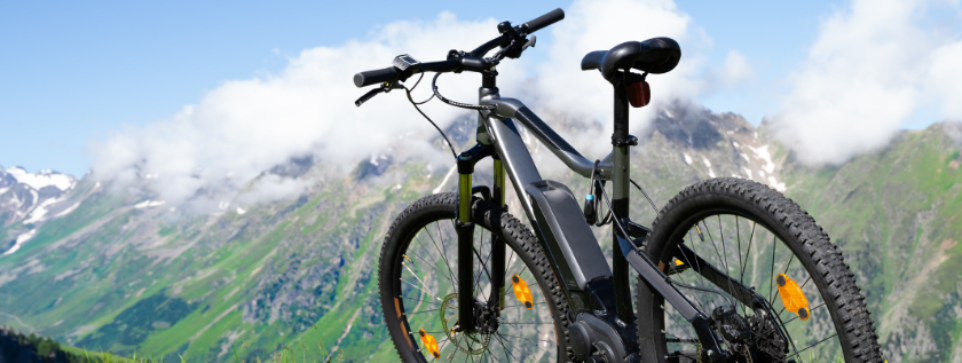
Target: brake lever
[[385, 88], [368, 96], [530, 43]]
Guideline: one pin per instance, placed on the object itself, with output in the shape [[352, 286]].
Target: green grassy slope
[[897, 214], [296, 276]]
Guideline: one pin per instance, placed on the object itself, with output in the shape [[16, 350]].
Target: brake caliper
[[792, 296]]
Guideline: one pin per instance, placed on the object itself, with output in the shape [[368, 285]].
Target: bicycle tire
[[825, 264], [518, 238]]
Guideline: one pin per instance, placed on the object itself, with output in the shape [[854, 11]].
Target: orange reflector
[[430, 343], [522, 292], [792, 296]]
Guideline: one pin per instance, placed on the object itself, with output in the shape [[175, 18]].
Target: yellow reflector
[[522, 292], [430, 343], [792, 296], [678, 262]]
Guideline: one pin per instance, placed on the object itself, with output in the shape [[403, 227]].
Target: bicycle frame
[[575, 256]]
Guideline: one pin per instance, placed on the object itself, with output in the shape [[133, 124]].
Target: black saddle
[[655, 55]]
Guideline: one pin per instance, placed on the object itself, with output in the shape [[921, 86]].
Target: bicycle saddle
[[655, 55]]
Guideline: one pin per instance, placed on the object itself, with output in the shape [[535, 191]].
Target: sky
[[182, 85]]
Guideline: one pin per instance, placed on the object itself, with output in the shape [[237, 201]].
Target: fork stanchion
[[497, 244], [465, 231]]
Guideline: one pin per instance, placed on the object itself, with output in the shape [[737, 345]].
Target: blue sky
[[72, 72]]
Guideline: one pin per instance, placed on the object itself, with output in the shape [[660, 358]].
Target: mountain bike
[[730, 270]]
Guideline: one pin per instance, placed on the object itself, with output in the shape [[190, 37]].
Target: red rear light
[[639, 94]]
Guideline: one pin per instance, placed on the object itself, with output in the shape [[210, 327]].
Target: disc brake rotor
[[463, 341]]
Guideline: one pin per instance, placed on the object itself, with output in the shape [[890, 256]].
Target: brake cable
[[415, 104], [646, 196], [624, 232], [434, 85]]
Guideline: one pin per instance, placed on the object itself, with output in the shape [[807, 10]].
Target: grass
[[288, 354]]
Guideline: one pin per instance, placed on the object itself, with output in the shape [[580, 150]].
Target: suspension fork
[[464, 226], [497, 244]]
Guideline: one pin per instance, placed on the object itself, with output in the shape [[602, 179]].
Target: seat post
[[621, 141]]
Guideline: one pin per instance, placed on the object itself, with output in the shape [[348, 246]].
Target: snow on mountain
[[43, 179], [30, 199]]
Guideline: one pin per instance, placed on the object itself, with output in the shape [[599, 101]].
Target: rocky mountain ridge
[[124, 271], [27, 200]]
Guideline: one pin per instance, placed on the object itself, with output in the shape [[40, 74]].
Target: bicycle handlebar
[[540, 22], [367, 78], [468, 61]]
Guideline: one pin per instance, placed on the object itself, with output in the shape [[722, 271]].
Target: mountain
[[897, 214], [27, 200], [114, 267]]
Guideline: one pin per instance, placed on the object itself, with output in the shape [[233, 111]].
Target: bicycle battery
[[566, 237]]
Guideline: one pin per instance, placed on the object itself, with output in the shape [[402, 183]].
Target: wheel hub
[[765, 338], [755, 337]]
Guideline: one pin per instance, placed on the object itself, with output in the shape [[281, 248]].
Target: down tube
[[574, 270]]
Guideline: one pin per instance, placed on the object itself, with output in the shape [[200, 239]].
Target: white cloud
[[220, 144], [563, 88], [245, 127], [864, 76], [735, 70], [945, 78]]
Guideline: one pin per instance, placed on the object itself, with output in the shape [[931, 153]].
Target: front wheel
[[813, 311], [523, 322]]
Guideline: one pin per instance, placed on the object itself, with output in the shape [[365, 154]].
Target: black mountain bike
[[730, 271]]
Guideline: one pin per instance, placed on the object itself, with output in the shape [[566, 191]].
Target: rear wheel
[[815, 311], [419, 290]]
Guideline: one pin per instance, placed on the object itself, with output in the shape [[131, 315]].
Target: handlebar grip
[[542, 21], [368, 78]]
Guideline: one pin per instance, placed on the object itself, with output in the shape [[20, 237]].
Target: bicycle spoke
[[819, 342], [504, 322], [422, 312], [749, 252], [443, 252], [523, 335], [522, 306], [687, 261], [419, 300], [738, 239], [501, 341], [477, 279], [738, 242], [771, 276], [723, 260], [424, 259], [416, 287], [795, 317], [522, 269], [697, 264]]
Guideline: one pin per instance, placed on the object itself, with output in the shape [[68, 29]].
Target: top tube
[[513, 108]]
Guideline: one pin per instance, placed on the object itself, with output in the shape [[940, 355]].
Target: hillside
[[123, 271], [897, 214]]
